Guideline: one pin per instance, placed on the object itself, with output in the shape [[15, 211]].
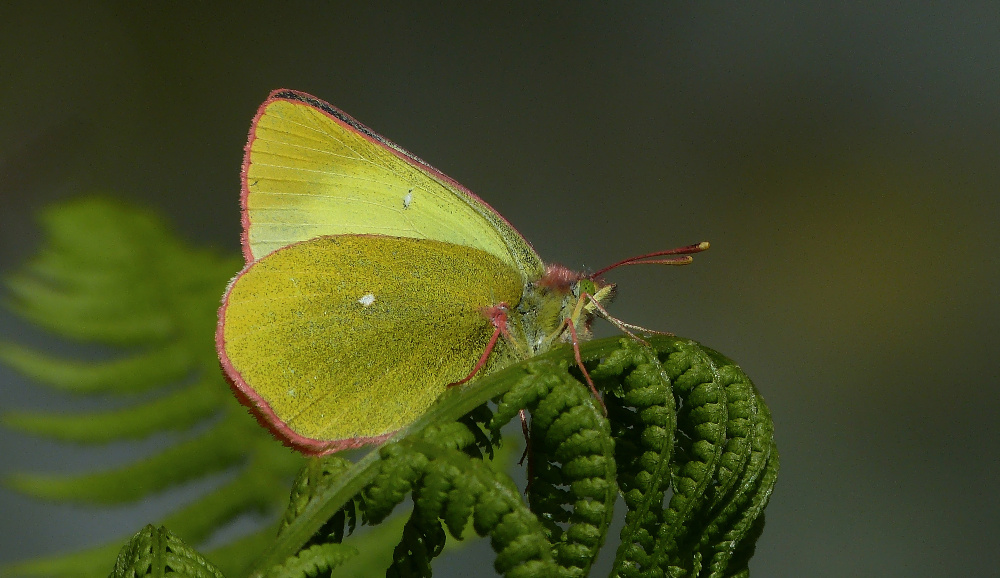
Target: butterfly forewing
[[311, 170]]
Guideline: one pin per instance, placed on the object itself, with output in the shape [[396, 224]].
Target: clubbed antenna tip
[[682, 256]]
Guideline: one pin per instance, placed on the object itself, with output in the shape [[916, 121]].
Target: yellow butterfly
[[373, 282]]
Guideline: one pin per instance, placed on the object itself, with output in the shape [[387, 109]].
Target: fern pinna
[[116, 276], [687, 442]]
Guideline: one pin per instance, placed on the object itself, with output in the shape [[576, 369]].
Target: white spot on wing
[[366, 299], [408, 199]]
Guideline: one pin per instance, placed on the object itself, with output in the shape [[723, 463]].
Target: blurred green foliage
[[687, 439]]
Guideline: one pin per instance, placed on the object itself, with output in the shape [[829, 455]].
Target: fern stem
[[316, 513]]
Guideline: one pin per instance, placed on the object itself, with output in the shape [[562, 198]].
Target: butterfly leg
[[527, 439], [498, 316], [579, 363], [527, 454], [595, 305]]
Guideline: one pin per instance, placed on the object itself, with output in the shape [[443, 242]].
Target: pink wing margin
[[351, 124]]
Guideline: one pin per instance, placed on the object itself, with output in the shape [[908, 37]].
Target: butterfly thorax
[[547, 307]]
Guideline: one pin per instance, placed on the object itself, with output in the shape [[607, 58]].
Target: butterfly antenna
[[683, 257]]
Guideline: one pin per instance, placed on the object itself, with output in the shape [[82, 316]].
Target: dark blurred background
[[842, 159]]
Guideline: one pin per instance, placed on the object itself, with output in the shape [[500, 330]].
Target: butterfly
[[373, 282]]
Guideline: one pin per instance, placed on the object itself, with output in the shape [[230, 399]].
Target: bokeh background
[[842, 158]]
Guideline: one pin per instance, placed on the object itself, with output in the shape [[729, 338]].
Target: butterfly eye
[[586, 286]]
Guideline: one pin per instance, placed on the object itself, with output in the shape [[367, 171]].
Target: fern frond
[[433, 464], [114, 275], [313, 561], [315, 477], [716, 454], [100, 276], [682, 421], [642, 411], [702, 416], [516, 535], [720, 479], [133, 374], [213, 451], [178, 411], [727, 542], [570, 447], [156, 552], [82, 564]]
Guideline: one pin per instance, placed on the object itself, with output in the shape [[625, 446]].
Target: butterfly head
[[570, 299]]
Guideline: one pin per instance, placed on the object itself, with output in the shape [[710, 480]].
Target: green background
[[842, 158]]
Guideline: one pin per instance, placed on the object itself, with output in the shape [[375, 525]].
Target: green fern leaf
[[83, 564], [179, 411], [147, 370], [314, 561], [570, 446], [720, 479], [213, 451], [155, 552], [642, 410], [681, 419], [114, 275]]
